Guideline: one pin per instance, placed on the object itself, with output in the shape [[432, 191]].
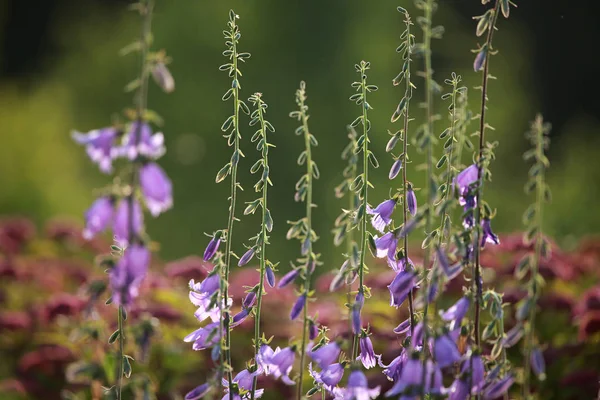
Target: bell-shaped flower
[[498, 388], [382, 214], [367, 355], [401, 286], [246, 257], [298, 306], [445, 351], [127, 276], [270, 275], [122, 224], [474, 367], [329, 377], [281, 364], [326, 355], [288, 278], [359, 301], [212, 248], [98, 217], [411, 201], [100, 146], [488, 235], [198, 392], [204, 337], [538, 365], [456, 313], [139, 140], [357, 388], [156, 188]]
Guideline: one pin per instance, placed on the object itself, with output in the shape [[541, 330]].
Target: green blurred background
[[61, 71]]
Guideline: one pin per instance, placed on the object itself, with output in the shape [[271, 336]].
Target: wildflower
[[249, 299], [401, 264], [270, 276], [538, 364], [386, 247], [326, 354], [465, 179], [480, 59], [197, 392], [244, 380], [512, 336], [367, 354], [127, 276], [382, 214], [281, 364], [411, 201], [445, 351], [156, 188], [394, 369], [488, 235], [456, 313], [401, 286], [357, 388], [356, 309], [212, 247], [245, 259], [313, 330], [288, 278], [498, 388], [204, 337], [298, 307], [396, 167], [417, 336], [329, 377], [263, 358], [201, 295], [140, 141], [163, 78], [411, 375], [403, 327], [240, 317], [459, 390], [100, 146], [98, 217], [122, 224], [474, 367]]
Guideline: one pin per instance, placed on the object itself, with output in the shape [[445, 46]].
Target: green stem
[[309, 257]]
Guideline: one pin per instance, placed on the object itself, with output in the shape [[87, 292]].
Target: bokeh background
[[60, 70]]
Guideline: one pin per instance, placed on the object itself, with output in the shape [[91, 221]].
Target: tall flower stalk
[[304, 231], [261, 239], [231, 127], [533, 218], [361, 186], [486, 23]]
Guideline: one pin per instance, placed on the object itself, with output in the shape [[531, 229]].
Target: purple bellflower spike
[[498, 388], [396, 167], [488, 235], [477, 372], [270, 275], [326, 354], [298, 307], [359, 301], [198, 392], [538, 365], [156, 188], [204, 337], [445, 351], [127, 276], [411, 201], [288, 278], [357, 388], [459, 390], [367, 354], [329, 377], [212, 248], [121, 226], [100, 146], [140, 141], [245, 259], [281, 364], [382, 214], [98, 217], [401, 286], [456, 313]]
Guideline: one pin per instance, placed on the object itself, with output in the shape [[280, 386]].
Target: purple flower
[[249, 299], [394, 369], [402, 284], [417, 336], [140, 141], [156, 188], [212, 248], [367, 354], [326, 354], [498, 388], [263, 358], [474, 366], [245, 259], [99, 146], [329, 377], [488, 235], [386, 247], [382, 214], [201, 295], [298, 307], [480, 60], [98, 217], [358, 388], [403, 327], [240, 317], [281, 364], [270, 276], [244, 379], [411, 375], [445, 351], [465, 179], [456, 313], [121, 227], [359, 301], [288, 278], [512, 336], [198, 392], [396, 167], [313, 330], [538, 365], [411, 201], [400, 265], [459, 390], [127, 276], [204, 337]]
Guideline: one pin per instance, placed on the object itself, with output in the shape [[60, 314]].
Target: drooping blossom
[[459, 390], [329, 377], [156, 188], [246, 257], [488, 235], [474, 367], [538, 365], [403, 327], [411, 201], [100, 146], [204, 337], [325, 355], [513, 336], [198, 392], [127, 276], [98, 217], [498, 388], [445, 351], [139, 140], [401, 287], [240, 317], [382, 214], [249, 299], [367, 355], [122, 224], [212, 248], [359, 301], [464, 180], [298, 306], [480, 60], [244, 380], [313, 330], [201, 295], [456, 313], [396, 167], [357, 388], [288, 278], [270, 275], [411, 375], [386, 247], [280, 364]]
